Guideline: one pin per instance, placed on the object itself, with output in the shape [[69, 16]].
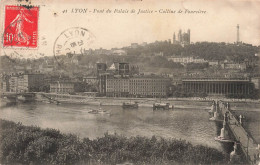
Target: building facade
[[117, 87], [13, 84], [238, 66], [4, 80], [186, 60], [91, 80], [142, 86], [218, 86], [149, 86], [102, 83], [26, 83], [123, 68], [101, 68], [61, 87]]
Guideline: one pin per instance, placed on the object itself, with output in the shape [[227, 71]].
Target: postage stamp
[[21, 26]]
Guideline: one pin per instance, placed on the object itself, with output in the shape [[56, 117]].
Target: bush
[[32, 145]]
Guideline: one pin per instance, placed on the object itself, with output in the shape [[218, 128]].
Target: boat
[[98, 111], [93, 111], [162, 106], [8, 101], [21, 98], [130, 105]]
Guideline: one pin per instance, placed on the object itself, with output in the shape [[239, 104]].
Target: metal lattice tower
[[237, 33]]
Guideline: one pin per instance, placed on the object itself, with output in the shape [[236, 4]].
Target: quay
[[247, 143]]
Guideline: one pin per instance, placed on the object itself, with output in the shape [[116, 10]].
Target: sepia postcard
[[129, 82]]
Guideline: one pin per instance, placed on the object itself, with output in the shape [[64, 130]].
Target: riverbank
[[32, 145], [202, 103]]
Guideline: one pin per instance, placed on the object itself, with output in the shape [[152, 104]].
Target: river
[[189, 124]]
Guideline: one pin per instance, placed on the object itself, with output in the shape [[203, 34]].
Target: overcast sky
[[218, 24]]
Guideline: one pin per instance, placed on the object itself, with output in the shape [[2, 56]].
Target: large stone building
[[141, 86], [117, 87], [118, 81], [149, 86], [26, 83], [218, 86]]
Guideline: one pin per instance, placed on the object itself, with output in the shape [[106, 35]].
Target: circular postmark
[[70, 44]]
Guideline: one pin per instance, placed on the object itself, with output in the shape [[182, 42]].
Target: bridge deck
[[247, 144]]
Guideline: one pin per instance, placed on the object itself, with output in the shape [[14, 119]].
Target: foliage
[[32, 145], [192, 66], [254, 94], [206, 50]]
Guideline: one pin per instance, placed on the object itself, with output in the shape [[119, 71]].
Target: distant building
[[119, 52], [140, 86], [102, 83], [117, 87], [230, 65], [61, 87], [134, 45], [213, 63], [26, 83], [90, 80], [149, 86], [123, 68], [87, 52], [101, 68], [4, 80], [217, 86], [182, 38], [144, 44], [186, 60], [45, 68], [134, 70], [120, 68], [13, 84]]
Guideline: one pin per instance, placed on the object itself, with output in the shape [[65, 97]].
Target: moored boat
[[98, 111], [130, 105], [162, 106], [9, 100]]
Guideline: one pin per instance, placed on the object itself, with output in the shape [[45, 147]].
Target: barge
[[130, 105]]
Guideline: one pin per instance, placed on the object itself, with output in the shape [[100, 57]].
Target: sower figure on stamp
[[20, 35]]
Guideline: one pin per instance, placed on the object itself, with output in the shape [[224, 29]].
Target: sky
[[217, 23]]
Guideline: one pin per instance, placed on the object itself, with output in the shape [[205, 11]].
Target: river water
[[191, 124]]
